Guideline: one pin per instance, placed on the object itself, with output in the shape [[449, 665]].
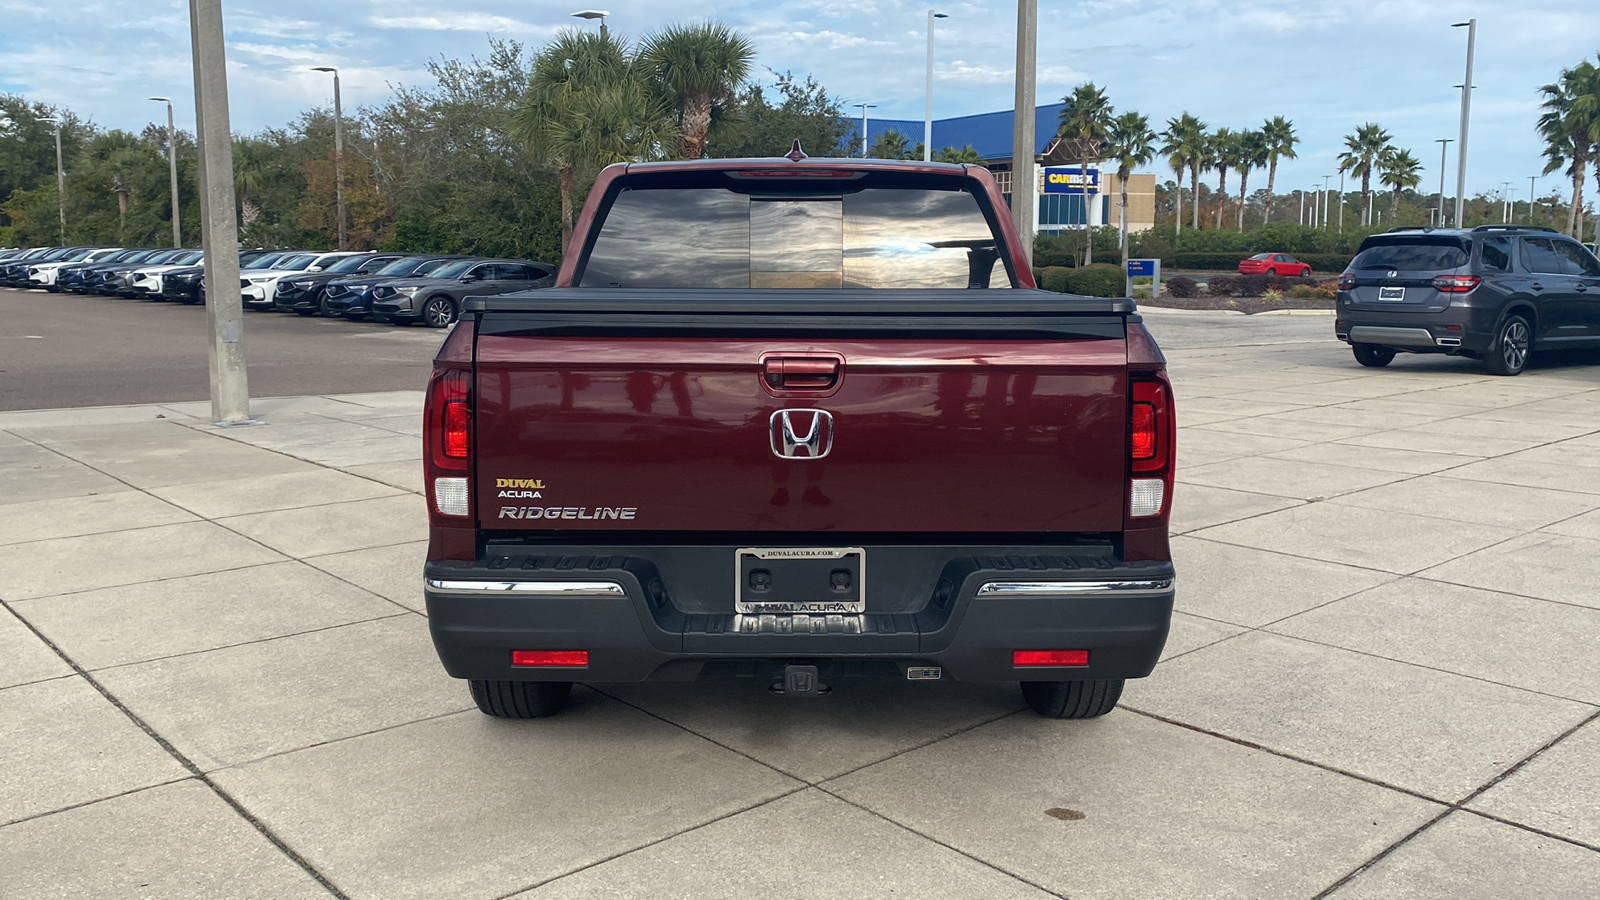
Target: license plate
[[1391, 293], [800, 580]]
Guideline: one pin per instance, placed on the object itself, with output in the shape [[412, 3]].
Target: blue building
[[1062, 205]]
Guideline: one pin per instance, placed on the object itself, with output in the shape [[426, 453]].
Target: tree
[[1224, 156], [1252, 155], [1570, 126], [1399, 170], [695, 70], [1182, 143], [967, 154], [1363, 150], [891, 144], [752, 126], [1131, 143], [586, 107], [1085, 117], [1205, 157], [1277, 135]]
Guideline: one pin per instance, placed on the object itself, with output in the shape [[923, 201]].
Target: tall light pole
[[1531, 190], [864, 108], [338, 153], [1466, 117], [1341, 201], [1444, 144], [61, 180], [172, 164], [595, 14], [1325, 203], [1024, 193], [230, 389], [1302, 194], [1505, 202], [927, 116]]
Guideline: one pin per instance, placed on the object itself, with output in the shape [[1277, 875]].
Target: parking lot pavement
[[1380, 681]]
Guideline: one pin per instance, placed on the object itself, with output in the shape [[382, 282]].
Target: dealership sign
[[1070, 180]]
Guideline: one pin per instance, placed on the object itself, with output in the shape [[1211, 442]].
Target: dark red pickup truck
[[798, 419]]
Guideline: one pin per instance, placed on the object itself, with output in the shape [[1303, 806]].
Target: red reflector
[[795, 173], [455, 429], [549, 657], [1144, 431], [1049, 657]]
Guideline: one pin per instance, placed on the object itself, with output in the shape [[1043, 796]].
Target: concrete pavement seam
[[72, 806], [188, 764]]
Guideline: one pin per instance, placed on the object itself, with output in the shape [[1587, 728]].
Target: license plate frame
[[799, 580], [1392, 294]]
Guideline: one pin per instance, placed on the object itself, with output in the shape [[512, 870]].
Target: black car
[[15, 273], [1496, 293], [436, 298], [84, 279], [185, 285], [351, 296], [303, 293]]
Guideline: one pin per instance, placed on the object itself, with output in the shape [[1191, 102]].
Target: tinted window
[[1540, 257], [429, 265], [1579, 260], [512, 272], [721, 239], [267, 261], [483, 272], [349, 264], [1497, 254], [296, 263], [1262, 256], [1412, 255]]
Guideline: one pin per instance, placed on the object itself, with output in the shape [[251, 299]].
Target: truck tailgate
[[623, 431]]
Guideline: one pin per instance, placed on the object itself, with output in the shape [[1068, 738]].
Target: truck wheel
[[1509, 352], [439, 312], [1372, 355], [1072, 699], [520, 699]]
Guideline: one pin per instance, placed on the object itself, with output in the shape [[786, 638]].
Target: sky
[[1327, 65]]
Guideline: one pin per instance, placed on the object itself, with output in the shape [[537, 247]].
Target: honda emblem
[[802, 433]]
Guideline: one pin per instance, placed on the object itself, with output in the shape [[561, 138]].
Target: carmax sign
[[1070, 180]]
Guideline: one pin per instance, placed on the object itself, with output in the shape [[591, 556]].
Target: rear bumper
[[1455, 328], [978, 611]]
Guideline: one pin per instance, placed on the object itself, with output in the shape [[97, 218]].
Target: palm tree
[[1131, 143], [1278, 135], [967, 154], [249, 176], [1399, 170], [1252, 155], [586, 107], [1224, 156], [1570, 126], [891, 144], [1363, 150], [1085, 117], [696, 69], [1182, 144], [1205, 158]]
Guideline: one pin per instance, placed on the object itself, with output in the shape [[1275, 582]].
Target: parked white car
[[258, 286], [147, 280], [44, 274]]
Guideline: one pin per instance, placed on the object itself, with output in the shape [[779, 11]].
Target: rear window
[[717, 238], [1413, 254]]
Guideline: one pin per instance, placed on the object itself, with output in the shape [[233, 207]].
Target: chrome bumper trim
[[1055, 590], [567, 589]]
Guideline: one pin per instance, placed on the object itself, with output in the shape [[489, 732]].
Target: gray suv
[[1496, 293], [436, 298]]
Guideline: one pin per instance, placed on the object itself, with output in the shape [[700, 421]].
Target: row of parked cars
[[388, 287]]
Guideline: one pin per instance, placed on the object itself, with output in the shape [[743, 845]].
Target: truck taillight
[[449, 442], [1150, 440]]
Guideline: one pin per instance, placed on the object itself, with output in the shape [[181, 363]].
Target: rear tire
[[1072, 699], [520, 699], [1513, 341], [1273, 272], [1372, 355], [1305, 272]]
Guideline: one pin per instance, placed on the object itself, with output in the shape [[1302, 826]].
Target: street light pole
[[1466, 117], [230, 391], [1325, 204], [1531, 190], [61, 181], [864, 108], [1341, 201], [338, 154], [1024, 193], [172, 163], [595, 14], [1444, 144], [1505, 201], [927, 117], [1302, 194]]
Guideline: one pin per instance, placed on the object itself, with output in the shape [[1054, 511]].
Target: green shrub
[[1052, 278], [1217, 261], [1055, 251], [1097, 280]]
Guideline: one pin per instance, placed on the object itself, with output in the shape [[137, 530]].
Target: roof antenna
[[795, 154]]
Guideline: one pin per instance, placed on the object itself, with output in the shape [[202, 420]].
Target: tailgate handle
[[800, 373]]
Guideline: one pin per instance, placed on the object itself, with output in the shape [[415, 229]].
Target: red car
[[1273, 264]]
